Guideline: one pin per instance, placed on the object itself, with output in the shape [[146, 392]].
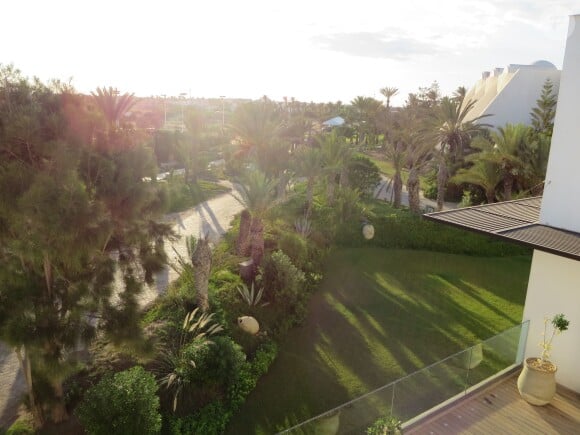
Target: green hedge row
[[399, 229]]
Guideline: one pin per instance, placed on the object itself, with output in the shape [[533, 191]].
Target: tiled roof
[[515, 221]]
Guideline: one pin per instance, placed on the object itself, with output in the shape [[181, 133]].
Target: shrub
[[123, 403], [285, 287], [385, 426], [213, 418], [22, 426], [363, 174], [399, 229]]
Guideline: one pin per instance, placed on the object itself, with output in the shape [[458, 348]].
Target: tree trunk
[[508, 183], [243, 242], [201, 260], [281, 188], [330, 187], [309, 196], [413, 190], [397, 189], [490, 195], [344, 182], [441, 183], [257, 241], [58, 411], [25, 366]]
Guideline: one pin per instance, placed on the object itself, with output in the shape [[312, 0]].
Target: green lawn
[[386, 168], [379, 315]]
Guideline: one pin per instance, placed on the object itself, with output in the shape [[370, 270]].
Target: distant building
[[337, 121], [509, 94]]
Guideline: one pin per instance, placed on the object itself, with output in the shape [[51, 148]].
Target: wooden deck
[[499, 409]]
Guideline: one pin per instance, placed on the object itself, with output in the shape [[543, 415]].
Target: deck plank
[[500, 409]]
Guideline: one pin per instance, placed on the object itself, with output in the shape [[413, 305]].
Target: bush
[[123, 403], [285, 287], [363, 174], [213, 418], [400, 229], [385, 426], [22, 426]]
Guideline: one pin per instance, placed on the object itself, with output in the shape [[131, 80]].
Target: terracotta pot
[[537, 381]]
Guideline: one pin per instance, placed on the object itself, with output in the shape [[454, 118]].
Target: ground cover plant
[[379, 315]]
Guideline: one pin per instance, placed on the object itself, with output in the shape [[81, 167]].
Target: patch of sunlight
[[375, 325], [390, 287], [411, 356], [481, 302], [345, 376], [380, 352]]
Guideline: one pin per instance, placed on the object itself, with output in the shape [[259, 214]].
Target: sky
[[314, 50]]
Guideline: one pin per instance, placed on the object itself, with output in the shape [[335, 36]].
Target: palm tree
[[459, 94], [395, 152], [509, 143], [112, 105], [309, 164], [484, 173], [452, 135], [201, 261], [418, 154], [336, 155], [257, 197], [388, 93], [256, 126]]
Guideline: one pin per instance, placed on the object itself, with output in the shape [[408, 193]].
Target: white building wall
[[517, 98], [561, 203], [554, 288]]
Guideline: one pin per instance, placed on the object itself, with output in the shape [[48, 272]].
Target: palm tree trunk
[[508, 183], [201, 260], [330, 187], [25, 366], [281, 188], [397, 189], [441, 183], [243, 242], [490, 195], [413, 190], [309, 196], [58, 411], [344, 177], [257, 242]]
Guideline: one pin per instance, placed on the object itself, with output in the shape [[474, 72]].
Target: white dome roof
[[544, 64]]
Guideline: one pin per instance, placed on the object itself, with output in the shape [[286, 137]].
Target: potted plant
[[537, 382]]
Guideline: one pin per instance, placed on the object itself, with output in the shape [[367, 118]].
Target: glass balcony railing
[[414, 394]]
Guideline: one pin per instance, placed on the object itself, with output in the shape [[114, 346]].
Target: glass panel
[[429, 387], [412, 395], [351, 418]]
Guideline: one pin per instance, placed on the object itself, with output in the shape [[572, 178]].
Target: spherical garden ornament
[[368, 230], [249, 324]]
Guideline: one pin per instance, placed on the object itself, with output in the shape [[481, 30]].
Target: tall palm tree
[[452, 133], [418, 155], [396, 153], [112, 105], [257, 197], [509, 143], [309, 164], [388, 93], [256, 125], [336, 155], [459, 94]]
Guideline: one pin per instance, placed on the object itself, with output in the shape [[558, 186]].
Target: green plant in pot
[[537, 382]]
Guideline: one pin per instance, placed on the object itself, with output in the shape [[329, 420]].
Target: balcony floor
[[500, 409]]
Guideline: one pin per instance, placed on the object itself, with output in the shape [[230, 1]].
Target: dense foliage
[[123, 403]]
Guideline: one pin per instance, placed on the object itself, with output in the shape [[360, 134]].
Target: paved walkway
[[384, 191], [212, 217]]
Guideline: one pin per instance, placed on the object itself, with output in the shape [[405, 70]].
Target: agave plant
[[250, 296], [303, 226], [176, 366]]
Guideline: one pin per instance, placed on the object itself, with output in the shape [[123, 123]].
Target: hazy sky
[[311, 50]]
